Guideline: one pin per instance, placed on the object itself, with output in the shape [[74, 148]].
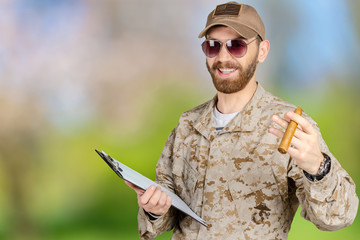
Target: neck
[[234, 102]]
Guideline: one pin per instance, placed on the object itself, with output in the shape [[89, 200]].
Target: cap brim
[[242, 30]]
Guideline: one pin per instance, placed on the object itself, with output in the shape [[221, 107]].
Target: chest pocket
[[251, 178], [254, 189], [185, 180]]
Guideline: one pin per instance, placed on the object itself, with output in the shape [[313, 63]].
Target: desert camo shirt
[[239, 183]]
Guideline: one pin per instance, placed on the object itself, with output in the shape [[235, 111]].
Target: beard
[[239, 82]]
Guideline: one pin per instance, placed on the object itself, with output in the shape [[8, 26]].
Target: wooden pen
[[289, 133]]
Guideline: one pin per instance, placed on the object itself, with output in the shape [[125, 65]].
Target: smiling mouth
[[226, 71]]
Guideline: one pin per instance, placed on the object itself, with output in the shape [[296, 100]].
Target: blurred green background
[[79, 75]]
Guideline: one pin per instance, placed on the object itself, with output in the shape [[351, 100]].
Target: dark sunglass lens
[[237, 47], [211, 48]]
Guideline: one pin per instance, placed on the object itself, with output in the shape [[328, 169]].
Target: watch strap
[[323, 170]]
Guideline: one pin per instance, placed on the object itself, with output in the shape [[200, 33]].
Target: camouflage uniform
[[239, 183]]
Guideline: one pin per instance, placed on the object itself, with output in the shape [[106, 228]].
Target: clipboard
[[130, 175]]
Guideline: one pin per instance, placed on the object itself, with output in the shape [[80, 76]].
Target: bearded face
[[239, 76]]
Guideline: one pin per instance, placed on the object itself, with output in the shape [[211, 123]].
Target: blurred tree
[[19, 137], [354, 6]]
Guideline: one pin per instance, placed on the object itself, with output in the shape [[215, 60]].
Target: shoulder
[[273, 105], [191, 118], [196, 112]]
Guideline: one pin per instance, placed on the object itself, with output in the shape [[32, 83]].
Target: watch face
[[322, 167]]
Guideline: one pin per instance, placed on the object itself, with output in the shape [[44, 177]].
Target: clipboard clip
[[111, 162]]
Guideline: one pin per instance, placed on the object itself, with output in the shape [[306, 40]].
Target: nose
[[223, 54]]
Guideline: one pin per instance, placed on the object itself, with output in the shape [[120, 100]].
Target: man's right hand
[[153, 200]]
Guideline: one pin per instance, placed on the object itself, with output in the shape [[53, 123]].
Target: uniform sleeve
[[331, 203], [149, 229]]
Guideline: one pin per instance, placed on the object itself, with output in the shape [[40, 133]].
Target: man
[[222, 157]]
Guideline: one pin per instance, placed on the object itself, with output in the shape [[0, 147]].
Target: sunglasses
[[236, 47]]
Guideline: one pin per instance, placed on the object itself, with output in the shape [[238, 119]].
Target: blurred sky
[[48, 48]]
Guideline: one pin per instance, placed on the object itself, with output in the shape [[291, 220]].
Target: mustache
[[219, 64]]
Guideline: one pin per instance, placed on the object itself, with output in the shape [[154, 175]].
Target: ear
[[263, 50]]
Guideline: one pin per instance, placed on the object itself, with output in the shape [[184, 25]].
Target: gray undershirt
[[221, 119]]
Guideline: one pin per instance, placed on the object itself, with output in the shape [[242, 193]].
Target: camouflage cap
[[242, 18]]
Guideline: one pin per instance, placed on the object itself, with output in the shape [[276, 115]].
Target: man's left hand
[[304, 146]]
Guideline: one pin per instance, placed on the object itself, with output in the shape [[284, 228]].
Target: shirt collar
[[245, 121]]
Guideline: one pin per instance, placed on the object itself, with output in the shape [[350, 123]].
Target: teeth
[[227, 70]]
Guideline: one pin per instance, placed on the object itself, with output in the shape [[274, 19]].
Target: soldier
[[222, 157]]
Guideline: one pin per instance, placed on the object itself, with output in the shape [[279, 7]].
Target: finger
[[294, 153], [154, 199], [284, 123], [162, 199], [300, 134], [129, 184], [167, 204], [303, 123], [295, 142], [279, 121], [138, 190], [168, 201], [144, 199], [288, 120], [276, 132]]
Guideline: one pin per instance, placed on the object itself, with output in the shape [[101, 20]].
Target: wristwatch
[[323, 170]]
